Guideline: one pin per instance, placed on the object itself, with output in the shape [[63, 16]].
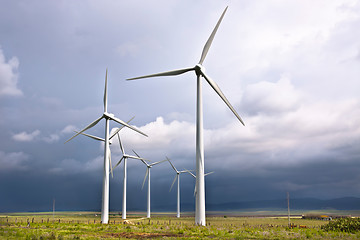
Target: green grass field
[[86, 225]]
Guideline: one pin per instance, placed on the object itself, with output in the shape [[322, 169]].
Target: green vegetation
[[349, 225], [88, 226]]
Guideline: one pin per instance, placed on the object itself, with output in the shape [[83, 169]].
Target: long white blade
[[111, 168], [146, 174], [168, 73], [139, 158], [105, 93], [119, 162], [136, 153], [190, 173], [173, 183], [118, 130], [127, 125], [208, 173], [86, 128], [92, 136], [172, 165], [121, 146], [211, 38], [222, 96], [152, 164]]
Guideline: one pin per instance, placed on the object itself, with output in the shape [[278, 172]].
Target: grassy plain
[[86, 225]]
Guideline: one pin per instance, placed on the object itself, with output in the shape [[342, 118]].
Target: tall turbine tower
[[177, 178], [199, 71], [107, 116], [124, 157], [147, 174]]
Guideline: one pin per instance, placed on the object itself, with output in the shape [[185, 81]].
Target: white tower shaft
[[200, 181], [148, 195], [178, 196], [124, 190], [105, 193]]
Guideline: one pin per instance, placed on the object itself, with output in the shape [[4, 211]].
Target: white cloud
[[36, 135], [68, 129], [311, 131], [163, 138], [13, 161], [26, 137], [52, 138], [9, 76], [269, 98]]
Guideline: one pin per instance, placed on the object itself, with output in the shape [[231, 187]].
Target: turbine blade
[[119, 162], [86, 128], [147, 172], [190, 173], [135, 157], [121, 146], [152, 164], [195, 190], [222, 96], [127, 125], [92, 136], [105, 92], [168, 73], [211, 38], [208, 173], [118, 130], [172, 165], [136, 153], [173, 183], [139, 158], [111, 168]]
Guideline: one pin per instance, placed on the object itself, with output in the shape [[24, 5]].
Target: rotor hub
[[199, 69]]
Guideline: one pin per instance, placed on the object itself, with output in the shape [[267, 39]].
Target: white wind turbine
[[195, 178], [103, 140], [125, 157], [147, 174], [107, 116], [177, 178], [199, 71]]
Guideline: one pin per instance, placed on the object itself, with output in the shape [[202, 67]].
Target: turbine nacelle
[[108, 115], [199, 69]]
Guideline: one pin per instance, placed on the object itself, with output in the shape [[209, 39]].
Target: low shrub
[[349, 225]]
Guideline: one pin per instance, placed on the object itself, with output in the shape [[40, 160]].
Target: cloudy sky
[[291, 69]]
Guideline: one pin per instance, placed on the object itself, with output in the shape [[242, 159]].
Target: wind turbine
[[195, 178], [125, 157], [103, 140], [107, 116], [147, 174], [177, 178], [199, 71]]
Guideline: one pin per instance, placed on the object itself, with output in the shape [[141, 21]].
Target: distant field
[[220, 225]]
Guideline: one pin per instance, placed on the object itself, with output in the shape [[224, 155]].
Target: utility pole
[[53, 207], [288, 204]]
